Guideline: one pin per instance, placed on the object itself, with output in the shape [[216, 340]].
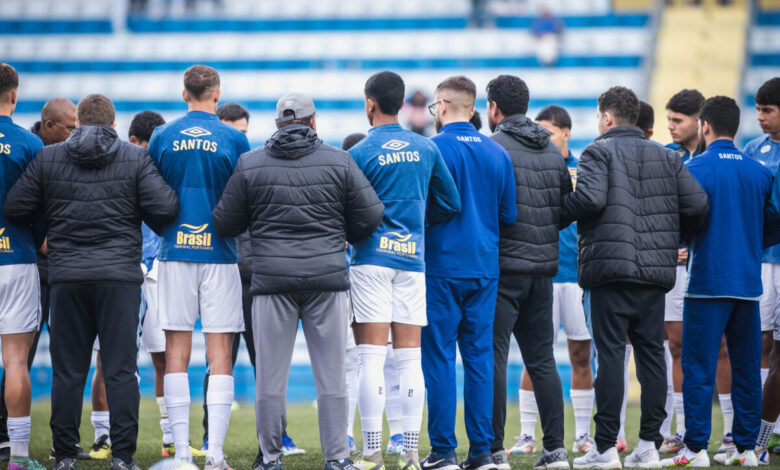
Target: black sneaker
[[119, 464], [436, 461], [258, 457], [5, 451], [80, 454], [557, 458], [68, 463], [482, 462], [273, 465], [344, 464]]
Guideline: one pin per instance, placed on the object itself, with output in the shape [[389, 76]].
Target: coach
[[95, 190]]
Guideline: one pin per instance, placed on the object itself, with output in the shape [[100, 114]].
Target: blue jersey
[[767, 152], [567, 240], [466, 246], [18, 147], [401, 167], [683, 152], [196, 155], [150, 248], [725, 255]]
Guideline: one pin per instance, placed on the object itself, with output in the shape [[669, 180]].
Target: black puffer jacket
[[633, 197], [301, 199], [95, 189], [530, 245]]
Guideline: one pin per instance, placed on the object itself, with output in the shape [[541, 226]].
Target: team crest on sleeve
[[196, 132], [680, 153], [395, 144]]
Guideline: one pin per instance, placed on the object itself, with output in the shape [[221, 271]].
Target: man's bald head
[[58, 118], [55, 108]]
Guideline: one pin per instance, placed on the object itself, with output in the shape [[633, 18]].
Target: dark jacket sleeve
[[364, 210], [444, 200], [590, 198], [566, 189], [507, 207], [231, 216], [692, 200], [24, 199], [157, 200]]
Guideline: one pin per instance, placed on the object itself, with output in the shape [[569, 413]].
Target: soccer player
[[566, 310], [628, 234], [20, 310], [233, 114], [461, 279], [198, 274], [320, 199], [723, 288], [387, 269]]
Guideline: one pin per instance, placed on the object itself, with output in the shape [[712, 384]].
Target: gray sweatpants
[[275, 324]]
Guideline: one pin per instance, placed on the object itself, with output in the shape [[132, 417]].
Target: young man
[[461, 259], [233, 114], [299, 274], [628, 234], [766, 149], [198, 275], [20, 310], [387, 269], [723, 287], [646, 119]]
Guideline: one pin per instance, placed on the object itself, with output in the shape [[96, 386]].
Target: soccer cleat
[[481, 462], [583, 444], [774, 444], [369, 462], [742, 459], [205, 447], [688, 458], [646, 459], [762, 456], [289, 448], [101, 450], [525, 445], [395, 445], [594, 459], [80, 454], [672, 445], [169, 450], [24, 463], [212, 465], [409, 461], [436, 461], [501, 460], [274, 465], [67, 463], [727, 444], [343, 464], [621, 445], [119, 464], [557, 458]]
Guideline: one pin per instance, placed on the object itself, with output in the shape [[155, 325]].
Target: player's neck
[[384, 119], [7, 110], [565, 150], [691, 146], [206, 107], [775, 136]]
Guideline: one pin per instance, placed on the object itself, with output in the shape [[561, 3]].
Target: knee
[[675, 347], [580, 359]]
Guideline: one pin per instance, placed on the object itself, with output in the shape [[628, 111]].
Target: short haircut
[[722, 114], [476, 120], [9, 80], [200, 80], [556, 115], [387, 89], [232, 112], [459, 83], [769, 93], [351, 140], [144, 123], [622, 103], [686, 102], [95, 109], [646, 118], [510, 93]]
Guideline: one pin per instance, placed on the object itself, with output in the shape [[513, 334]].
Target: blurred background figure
[[547, 30], [415, 114]]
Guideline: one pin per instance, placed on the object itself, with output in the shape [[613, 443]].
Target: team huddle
[[395, 253]]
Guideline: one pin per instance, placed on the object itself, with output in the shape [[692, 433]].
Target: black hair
[[686, 102], [351, 140], [722, 114], [387, 89], [556, 115], [622, 103], [9, 80], [646, 118], [769, 93], [476, 120], [510, 93], [143, 124], [232, 112]]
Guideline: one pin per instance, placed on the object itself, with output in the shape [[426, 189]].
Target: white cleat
[[583, 444], [594, 459], [688, 458], [646, 459], [734, 457], [525, 445]]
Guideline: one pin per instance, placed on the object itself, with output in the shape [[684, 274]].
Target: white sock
[[679, 410], [666, 425], [528, 412], [101, 423], [165, 425], [622, 431], [393, 410], [351, 368], [764, 433], [777, 426], [411, 394], [582, 402], [764, 375], [728, 412], [177, 402], [643, 446], [219, 399], [19, 435], [371, 395]]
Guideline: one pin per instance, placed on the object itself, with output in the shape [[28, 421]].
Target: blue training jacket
[[767, 152], [196, 155], [567, 240], [725, 255], [466, 246], [18, 147], [402, 166]]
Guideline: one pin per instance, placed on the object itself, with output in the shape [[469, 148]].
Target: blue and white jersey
[[767, 152], [682, 152], [18, 147], [196, 155], [567, 239], [402, 167]]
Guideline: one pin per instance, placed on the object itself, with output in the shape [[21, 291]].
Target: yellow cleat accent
[[101, 453], [169, 450]]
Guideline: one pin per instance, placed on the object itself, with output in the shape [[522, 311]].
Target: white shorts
[[20, 298], [673, 303], [209, 290], [386, 295], [769, 303], [567, 309], [152, 336]]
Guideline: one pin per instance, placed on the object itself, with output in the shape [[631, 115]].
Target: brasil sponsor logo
[[396, 244], [5, 242], [193, 237]]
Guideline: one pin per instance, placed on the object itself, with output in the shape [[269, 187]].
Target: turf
[[241, 443]]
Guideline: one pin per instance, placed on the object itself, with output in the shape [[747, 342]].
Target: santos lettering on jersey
[[396, 244], [194, 144], [399, 157], [192, 237]]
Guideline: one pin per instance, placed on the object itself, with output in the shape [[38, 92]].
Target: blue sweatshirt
[[725, 255], [18, 147], [402, 166], [466, 246], [196, 155], [567, 240], [767, 152]]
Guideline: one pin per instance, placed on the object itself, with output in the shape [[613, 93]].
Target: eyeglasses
[[69, 128], [432, 107]]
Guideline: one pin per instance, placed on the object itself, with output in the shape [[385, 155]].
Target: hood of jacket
[[292, 142], [623, 131], [92, 146], [525, 131]]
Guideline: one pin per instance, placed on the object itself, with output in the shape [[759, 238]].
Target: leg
[[101, 418], [411, 384], [766, 350], [158, 361], [770, 405], [15, 348], [393, 412], [723, 382], [674, 331], [220, 393], [528, 415], [351, 365], [579, 344]]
